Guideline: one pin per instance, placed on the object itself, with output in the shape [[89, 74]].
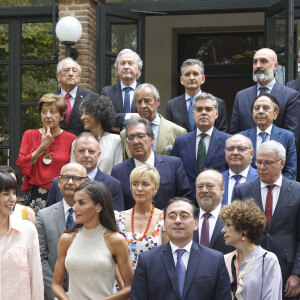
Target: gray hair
[[274, 147], [206, 96], [86, 134], [138, 59], [67, 59], [242, 136], [192, 61], [137, 121], [147, 85]]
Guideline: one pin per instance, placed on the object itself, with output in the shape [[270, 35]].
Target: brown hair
[[58, 100]]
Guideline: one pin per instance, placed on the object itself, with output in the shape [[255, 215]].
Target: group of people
[[110, 179]]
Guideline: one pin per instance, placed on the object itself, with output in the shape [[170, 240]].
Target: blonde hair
[[145, 169]]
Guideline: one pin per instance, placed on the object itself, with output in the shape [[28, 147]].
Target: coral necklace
[[147, 227]]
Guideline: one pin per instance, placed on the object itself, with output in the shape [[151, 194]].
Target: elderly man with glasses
[[279, 198]]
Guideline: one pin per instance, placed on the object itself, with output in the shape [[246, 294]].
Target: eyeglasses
[[239, 149], [139, 137], [266, 163], [75, 179]]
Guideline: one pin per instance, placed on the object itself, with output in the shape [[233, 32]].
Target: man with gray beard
[[264, 67]]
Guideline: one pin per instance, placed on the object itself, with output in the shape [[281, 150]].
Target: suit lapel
[[213, 147], [182, 111], [255, 190], [59, 217], [219, 225], [225, 195], [191, 148], [252, 137], [275, 134], [118, 97], [163, 136]]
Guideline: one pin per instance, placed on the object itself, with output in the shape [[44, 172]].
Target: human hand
[[47, 138], [292, 287]]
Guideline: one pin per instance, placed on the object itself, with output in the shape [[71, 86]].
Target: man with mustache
[[264, 67]]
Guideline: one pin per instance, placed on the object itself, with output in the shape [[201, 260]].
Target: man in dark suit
[[294, 84], [210, 189], [209, 152], [51, 222], [180, 269], [68, 76], [265, 110], [128, 65], [279, 198], [173, 180], [264, 66], [179, 110], [238, 154], [86, 153]]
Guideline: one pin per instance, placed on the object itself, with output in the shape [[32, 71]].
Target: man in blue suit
[[128, 65], [265, 110], [264, 66], [180, 269], [238, 154], [210, 189], [173, 180], [279, 198], [204, 147], [86, 153]]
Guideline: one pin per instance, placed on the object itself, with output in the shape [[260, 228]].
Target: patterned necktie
[[201, 154], [263, 90], [205, 230], [180, 269], [269, 204], [70, 221], [190, 113], [69, 110], [263, 136], [127, 100], [237, 182]]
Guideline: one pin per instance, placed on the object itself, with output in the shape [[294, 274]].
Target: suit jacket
[[168, 131], [289, 103], [176, 112], [185, 148], [294, 84], [252, 173], [75, 124], [155, 277], [282, 237], [284, 137], [113, 185], [217, 241], [173, 180], [114, 92], [50, 225]]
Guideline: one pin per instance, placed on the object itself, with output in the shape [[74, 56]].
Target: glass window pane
[[38, 80], [24, 3], [4, 125], [4, 157], [30, 119], [3, 83], [37, 40], [114, 77], [123, 36], [4, 42]]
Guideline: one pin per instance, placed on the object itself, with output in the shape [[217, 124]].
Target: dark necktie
[[190, 113], [263, 136], [205, 230], [127, 100], [69, 110], [237, 182], [70, 221], [180, 270], [201, 154], [263, 90], [269, 204]]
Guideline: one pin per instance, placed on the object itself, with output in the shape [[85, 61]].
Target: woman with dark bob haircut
[[21, 269], [98, 117], [92, 249], [44, 151], [254, 272]]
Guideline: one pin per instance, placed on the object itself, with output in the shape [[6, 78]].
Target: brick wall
[[85, 12]]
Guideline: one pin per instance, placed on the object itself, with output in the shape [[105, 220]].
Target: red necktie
[[269, 204], [205, 230], [69, 110]]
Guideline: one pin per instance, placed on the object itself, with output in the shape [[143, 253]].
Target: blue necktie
[[190, 113], [237, 182], [180, 269], [127, 100], [70, 220], [263, 90], [263, 136]]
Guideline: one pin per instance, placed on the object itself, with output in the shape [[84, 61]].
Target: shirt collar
[[187, 96], [208, 132], [187, 247], [278, 182], [92, 174], [215, 213], [15, 223], [156, 120], [270, 85], [244, 173], [66, 206], [133, 85], [268, 130], [150, 161], [72, 93]]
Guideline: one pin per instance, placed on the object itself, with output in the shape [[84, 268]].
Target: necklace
[[47, 159], [147, 227], [100, 137]]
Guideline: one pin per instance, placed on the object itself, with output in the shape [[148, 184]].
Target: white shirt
[[270, 86], [186, 255], [73, 94], [66, 210], [92, 174], [259, 138], [212, 220], [150, 161], [155, 128], [276, 191], [231, 181], [206, 139], [131, 95]]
